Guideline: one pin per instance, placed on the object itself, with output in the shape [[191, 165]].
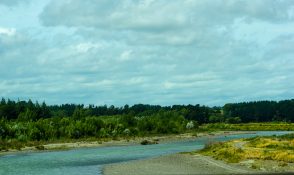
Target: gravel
[[175, 164]]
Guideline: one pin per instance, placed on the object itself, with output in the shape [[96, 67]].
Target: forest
[[27, 121]]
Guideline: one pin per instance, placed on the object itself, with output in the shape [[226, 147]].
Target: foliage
[[261, 111], [70, 128], [190, 125], [29, 111], [23, 122]]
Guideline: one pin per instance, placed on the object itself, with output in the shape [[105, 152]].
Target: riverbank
[[271, 153], [175, 164], [266, 155], [117, 142], [188, 164]]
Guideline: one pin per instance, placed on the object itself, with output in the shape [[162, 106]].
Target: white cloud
[[150, 51], [157, 15], [126, 55], [7, 31], [85, 47]]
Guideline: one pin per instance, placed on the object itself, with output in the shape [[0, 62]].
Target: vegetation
[[262, 111], [277, 148], [24, 123], [17, 134], [270, 126]]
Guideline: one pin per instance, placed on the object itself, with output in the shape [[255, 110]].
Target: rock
[[148, 142]]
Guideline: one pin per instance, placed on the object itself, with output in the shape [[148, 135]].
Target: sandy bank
[[175, 164]]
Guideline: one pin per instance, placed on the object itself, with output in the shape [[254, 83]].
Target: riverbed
[[90, 161]]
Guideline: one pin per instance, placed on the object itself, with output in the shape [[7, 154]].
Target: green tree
[[28, 115], [78, 113]]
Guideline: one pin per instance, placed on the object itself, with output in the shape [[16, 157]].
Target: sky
[[164, 52]]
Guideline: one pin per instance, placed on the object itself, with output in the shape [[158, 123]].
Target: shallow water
[[89, 161]]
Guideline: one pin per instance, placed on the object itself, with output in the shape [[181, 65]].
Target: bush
[[22, 138], [190, 125]]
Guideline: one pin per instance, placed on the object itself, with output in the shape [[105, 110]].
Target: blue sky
[[147, 51]]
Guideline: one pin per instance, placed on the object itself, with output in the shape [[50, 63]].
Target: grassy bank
[[13, 146], [268, 126], [16, 145], [260, 151], [21, 138]]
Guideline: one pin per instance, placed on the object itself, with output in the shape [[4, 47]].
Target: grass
[[15, 144], [223, 151], [277, 148], [270, 126]]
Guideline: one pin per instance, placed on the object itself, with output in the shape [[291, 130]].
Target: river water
[[89, 161]]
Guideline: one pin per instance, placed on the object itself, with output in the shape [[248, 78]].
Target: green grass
[[271, 126], [223, 151], [277, 148]]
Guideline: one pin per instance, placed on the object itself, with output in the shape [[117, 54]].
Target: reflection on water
[[89, 161]]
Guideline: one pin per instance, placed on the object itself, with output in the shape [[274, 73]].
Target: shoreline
[[175, 164], [121, 142], [183, 164], [197, 163]]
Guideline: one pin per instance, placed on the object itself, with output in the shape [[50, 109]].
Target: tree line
[[260, 111], [30, 111], [256, 111], [27, 121]]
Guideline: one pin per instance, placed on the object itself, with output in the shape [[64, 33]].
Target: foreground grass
[[276, 148]]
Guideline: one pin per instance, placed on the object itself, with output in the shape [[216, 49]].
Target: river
[[89, 161]]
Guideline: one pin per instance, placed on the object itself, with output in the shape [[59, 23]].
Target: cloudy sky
[[147, 51]]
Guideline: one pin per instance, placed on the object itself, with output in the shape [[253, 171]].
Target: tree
[[28, 115], [78, 113], [128, 120]]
